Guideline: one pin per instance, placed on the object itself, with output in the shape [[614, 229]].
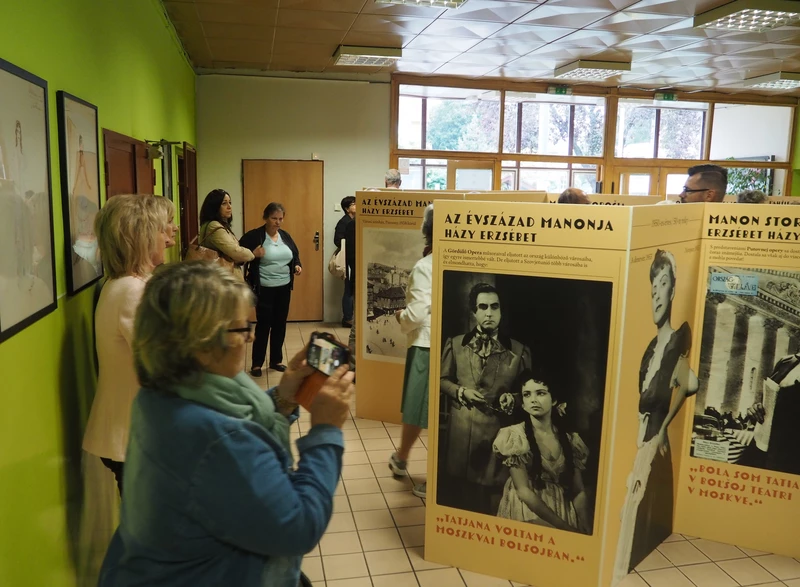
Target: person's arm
[[520, 478], [131, 298], [418, 307], [221, 240], [686, 382], [243, 495], [338, 233]]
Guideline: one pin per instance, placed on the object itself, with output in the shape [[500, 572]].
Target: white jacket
[[415, 319]]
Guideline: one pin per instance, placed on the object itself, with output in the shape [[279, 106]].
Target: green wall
[[122, 56]]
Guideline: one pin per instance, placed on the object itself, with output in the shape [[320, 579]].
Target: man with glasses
[[479, 369], [706, 183]]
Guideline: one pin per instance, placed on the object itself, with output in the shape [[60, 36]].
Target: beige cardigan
[[109, 421]]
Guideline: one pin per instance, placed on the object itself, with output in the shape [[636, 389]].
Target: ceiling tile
[[531, 34], [264, 3], [429, 56], [516, 73], [227, 30], [310, 36], [433, 43], [380, 23], [469, 29], [402, 10], [505, 47], [646, 44], [315, 19], [685, 28], [787, 35], [239, 65], [777, 52], [679, 8], [566, 16], [188, 28], [236, 13], [471, 58], [490, 11], [464, 70], [295, 67], [377, 39], [634, 22], [179, 11], [610, 5], [594, 39], [304, 52], [244, 50], [417, 66], [353, 6]]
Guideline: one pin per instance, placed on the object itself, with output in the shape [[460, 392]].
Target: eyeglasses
[[249, 329], [691, 191]]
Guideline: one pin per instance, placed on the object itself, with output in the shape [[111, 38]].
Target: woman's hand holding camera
[[331, 405]]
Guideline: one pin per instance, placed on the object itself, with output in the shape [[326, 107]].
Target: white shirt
[[415, 319]]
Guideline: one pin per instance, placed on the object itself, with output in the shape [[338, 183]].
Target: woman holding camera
[[210, 494]]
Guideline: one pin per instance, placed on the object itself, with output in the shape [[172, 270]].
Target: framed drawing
[[27, 262], [80, 189]]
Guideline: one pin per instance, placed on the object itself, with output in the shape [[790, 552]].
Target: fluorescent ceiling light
[[429, 3], [750, 15], [366, 56], [591, 70], [782, 80]]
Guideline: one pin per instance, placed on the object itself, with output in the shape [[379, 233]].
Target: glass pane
[[549, 180], [547, 164], [545, 129], [409, 123], [638, 184], [636, 128], [509, 179], [436, 178], [474, 179], [680, 134], [747, 178], [585, 181], [589, 129], [675, 183], [510, 128], [464, 125], [413, 179], [751, 133]]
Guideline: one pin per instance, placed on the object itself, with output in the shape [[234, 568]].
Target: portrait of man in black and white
[[523, 364], [748, 404]]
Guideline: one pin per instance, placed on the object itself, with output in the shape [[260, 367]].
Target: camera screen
[[326, 356]]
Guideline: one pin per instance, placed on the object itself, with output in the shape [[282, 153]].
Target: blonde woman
[[165, 211], [216, 217], [131, 241], [210, 494]]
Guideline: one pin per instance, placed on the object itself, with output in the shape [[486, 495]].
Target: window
[[455, 119], [549, 177], [543, 124], [649, 129], [434, 172], [745, 132]]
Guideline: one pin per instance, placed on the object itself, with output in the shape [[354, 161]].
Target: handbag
[[337, 266], [197, 252]]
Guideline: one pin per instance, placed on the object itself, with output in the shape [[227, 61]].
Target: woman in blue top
[[210, 495], [272, 278]]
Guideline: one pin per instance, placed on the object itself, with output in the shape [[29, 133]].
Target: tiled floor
[[376, 536]]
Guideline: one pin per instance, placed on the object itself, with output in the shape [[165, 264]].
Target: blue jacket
[[210, 500]]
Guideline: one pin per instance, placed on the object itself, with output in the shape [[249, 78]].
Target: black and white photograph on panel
[[748, 404], [389, 256], [523, 374]]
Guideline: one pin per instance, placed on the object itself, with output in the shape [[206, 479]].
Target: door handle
[[316, 241]]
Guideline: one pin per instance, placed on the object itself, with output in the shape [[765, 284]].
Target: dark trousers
[[271, 312], [347, 301], [115, 467]]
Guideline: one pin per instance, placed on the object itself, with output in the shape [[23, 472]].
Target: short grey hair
[[751, 197], [427, 225], [186, 309], [392, 177]]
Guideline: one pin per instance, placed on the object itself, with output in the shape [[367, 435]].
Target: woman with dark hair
[[665, 381], [271, 277], [216, 216], [545, 461]]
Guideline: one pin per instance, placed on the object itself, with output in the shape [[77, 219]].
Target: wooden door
[[187, 195], [298, 186], [128, 169]]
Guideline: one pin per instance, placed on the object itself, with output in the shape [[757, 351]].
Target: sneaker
[[419, 490], [397, 466]]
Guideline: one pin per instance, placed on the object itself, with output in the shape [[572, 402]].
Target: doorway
[[298, 185], [187, 195], [128, 168]]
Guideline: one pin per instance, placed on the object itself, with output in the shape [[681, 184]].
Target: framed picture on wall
[[80, 189], [27, 261]]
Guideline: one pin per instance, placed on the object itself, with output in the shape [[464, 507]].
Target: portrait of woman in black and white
[[545, 460], [665, 381]]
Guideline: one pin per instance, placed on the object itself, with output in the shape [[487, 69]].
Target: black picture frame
[[27, 267], [77, 116]]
